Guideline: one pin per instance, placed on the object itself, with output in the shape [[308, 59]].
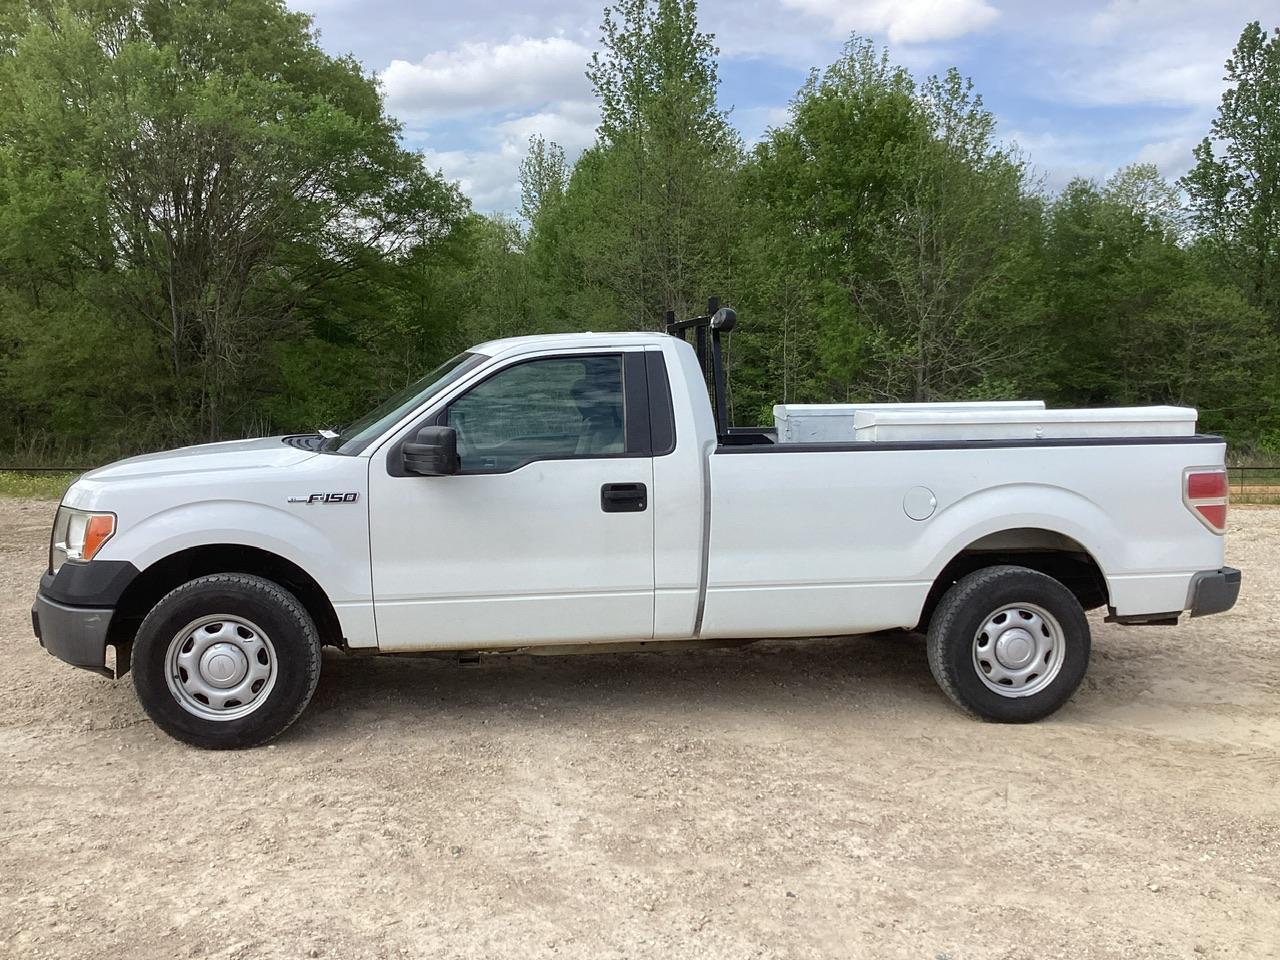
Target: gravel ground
[[803, 799]]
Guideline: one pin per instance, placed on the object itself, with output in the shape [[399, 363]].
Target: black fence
[[1251, 479]]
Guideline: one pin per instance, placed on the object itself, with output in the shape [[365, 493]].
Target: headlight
[[78, 535]]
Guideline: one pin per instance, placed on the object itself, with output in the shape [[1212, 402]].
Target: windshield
[[360, 433]]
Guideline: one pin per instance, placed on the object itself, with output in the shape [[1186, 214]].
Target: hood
[[205, 457]]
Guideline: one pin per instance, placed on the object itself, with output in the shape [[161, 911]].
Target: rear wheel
[[226, 661], [1009, 644]]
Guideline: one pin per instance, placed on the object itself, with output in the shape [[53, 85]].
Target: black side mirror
[[432, 453]]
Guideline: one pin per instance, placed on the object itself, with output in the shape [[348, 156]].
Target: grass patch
[[36, 486]]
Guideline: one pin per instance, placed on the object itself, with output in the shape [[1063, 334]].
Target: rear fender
[[1017, 506]]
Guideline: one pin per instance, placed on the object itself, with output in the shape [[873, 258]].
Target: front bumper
[[1213, 591], [73, 612], [77, 635]]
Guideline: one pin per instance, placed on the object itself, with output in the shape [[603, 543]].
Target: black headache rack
[[719, 320]]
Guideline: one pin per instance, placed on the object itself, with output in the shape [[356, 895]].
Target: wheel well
[[1050, 553], [153, 583]]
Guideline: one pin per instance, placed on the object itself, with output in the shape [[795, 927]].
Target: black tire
[[276, 611], [965, 609]]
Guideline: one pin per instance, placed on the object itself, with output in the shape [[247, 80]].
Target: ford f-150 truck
[[583, 492]]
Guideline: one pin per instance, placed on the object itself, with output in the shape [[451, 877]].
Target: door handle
[[624, 497]]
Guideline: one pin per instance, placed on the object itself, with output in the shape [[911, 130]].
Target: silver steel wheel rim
[[220, 667], [1018, 650]]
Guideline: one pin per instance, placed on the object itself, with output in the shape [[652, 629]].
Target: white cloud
[[1120, 19], [903, 21], [1172, 72], [1172, 157], [1138, 52], [1088, 86], [570, 123], [490, 174], [523, 71], [1057, 158], [509, 92], [489, 178], [1096, 154]]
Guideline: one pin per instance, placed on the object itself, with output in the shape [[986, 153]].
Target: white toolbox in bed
[[834, 422]]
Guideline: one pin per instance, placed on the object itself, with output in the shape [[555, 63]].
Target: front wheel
[[226, 661], [1009, 644]]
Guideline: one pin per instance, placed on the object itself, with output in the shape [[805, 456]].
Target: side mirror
[[432, 453]]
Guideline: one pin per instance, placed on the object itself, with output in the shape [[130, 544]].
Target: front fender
[[335, 554], [331, 543]]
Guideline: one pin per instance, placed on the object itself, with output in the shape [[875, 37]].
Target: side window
[[555, 408]]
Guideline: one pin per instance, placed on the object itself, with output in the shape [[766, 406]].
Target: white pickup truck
[[577, 493]]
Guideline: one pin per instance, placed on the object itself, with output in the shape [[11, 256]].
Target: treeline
[[209, 228]]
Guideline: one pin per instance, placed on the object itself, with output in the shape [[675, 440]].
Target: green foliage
[[1235, 184], [638, 228], [1107, 260], [209, 227], [905, 234], [184, 188], [950, 302], [1208, 348], [813, 191]]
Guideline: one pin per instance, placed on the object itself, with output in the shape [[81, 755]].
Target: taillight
[[1204, 491]]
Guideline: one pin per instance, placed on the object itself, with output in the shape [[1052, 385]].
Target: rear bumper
[[1209, 591], [76, 635], [1213, 591]]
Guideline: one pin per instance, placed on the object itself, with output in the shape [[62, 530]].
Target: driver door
[[546, 533]]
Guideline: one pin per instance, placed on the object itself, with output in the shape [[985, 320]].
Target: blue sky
[[1083, 88]]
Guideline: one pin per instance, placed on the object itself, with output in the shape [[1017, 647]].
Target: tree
[[1204, 345], [951, 306], [553, 246], [544, 175], [201, 176], [499, 297], [813, 192], [911, 228], [210, 227], [1235, 183], [1110, 254], [1137, 319], [640, 228]]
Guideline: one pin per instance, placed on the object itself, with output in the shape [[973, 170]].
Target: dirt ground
[[812, 799]]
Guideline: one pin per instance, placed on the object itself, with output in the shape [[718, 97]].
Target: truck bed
[[807, 539]]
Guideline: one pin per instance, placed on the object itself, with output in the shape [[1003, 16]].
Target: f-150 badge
[[326, 498]]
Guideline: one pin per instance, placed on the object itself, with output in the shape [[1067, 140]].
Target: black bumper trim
[[99, 583], [76, 635], [1213, 591]]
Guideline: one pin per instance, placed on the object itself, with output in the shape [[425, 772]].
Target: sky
[[1083, 88]]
